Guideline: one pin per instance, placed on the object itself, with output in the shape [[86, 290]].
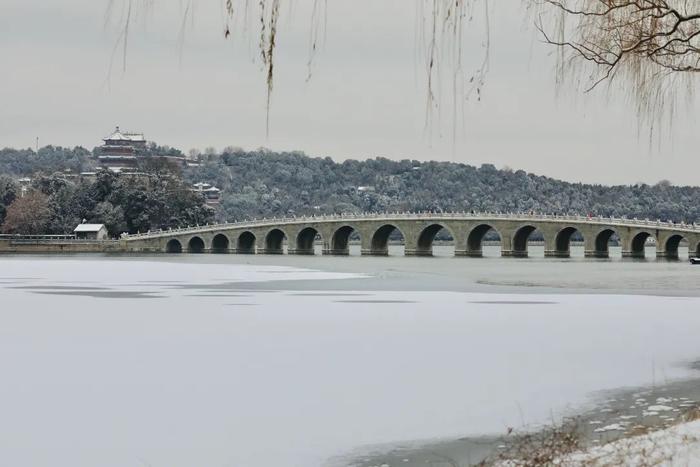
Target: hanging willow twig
[[269, 16], [443, 46], [644, 44], [650, 48]]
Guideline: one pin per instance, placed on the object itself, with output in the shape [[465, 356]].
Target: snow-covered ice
[[207, 367], [612, 427], [677, 446]]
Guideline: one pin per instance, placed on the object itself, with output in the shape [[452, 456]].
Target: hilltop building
[[126, 152], [24, 184], [120, 150], [212, 195]]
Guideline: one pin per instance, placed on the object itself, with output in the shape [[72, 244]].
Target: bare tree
[[613, 34], [27, 215], [650, 49]]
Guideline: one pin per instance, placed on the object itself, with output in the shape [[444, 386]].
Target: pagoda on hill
[[120, 150]]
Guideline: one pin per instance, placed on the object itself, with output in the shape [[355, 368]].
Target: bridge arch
[[340, 240], [195, 245], [305, 241], [476, 237], [562, 241], [672, 244], [602, 242], [220, 244], [274, 242], [520, 239], [246, 243], [380, 239], [424, 244], [637, 244], [173, 246]]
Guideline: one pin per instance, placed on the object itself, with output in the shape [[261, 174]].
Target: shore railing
[[45, 239]]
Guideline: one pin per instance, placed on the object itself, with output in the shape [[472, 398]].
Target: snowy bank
[[677, 446]]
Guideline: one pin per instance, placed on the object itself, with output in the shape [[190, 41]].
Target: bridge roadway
[[268, 236]]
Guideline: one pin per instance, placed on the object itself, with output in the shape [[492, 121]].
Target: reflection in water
[[330, 294], [513, 302], [375, 301], [101, 294], [218, 295], [58, 287], [534, 251]]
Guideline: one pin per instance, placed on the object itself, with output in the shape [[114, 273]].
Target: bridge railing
[[35, 237], [74, 241], [51, 239], [415, 216]]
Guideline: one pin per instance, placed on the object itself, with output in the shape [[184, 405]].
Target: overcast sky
[[366, 97]]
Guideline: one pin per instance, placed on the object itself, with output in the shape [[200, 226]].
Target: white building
[[91, 232], [212, 194], [24, 184]]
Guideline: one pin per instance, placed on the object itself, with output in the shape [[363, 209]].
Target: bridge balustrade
[[413, 225]]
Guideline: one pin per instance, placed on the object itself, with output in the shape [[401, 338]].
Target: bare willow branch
[[647, 47], [643, 44]]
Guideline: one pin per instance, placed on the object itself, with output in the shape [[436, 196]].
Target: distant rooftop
[[119, 135], [89, 228], [205, 187]]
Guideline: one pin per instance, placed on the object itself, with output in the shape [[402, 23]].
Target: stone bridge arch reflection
[[274, 242], [603, 240], [173, 246], [305, 241], [195, 245], [636, 247], [562, 242], [340, 240], [220, 244], [477, 236], [673, 244], [381, 236], [522, 237], [246, 243], [427, 237]]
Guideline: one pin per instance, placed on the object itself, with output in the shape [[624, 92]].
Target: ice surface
[[270, 377], [612, 427], [659, 408]]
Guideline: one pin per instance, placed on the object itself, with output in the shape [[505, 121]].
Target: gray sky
[[366, 97]]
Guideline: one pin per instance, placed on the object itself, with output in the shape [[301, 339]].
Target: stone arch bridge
[[268, 236]]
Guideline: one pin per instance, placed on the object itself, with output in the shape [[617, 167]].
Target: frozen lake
[[288, 361]]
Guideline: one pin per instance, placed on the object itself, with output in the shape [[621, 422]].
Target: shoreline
[[619, 414]]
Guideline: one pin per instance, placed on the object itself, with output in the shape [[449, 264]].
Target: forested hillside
[[49, 159], [264, 183]]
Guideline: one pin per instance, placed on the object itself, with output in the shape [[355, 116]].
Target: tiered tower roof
[[119, 135]]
